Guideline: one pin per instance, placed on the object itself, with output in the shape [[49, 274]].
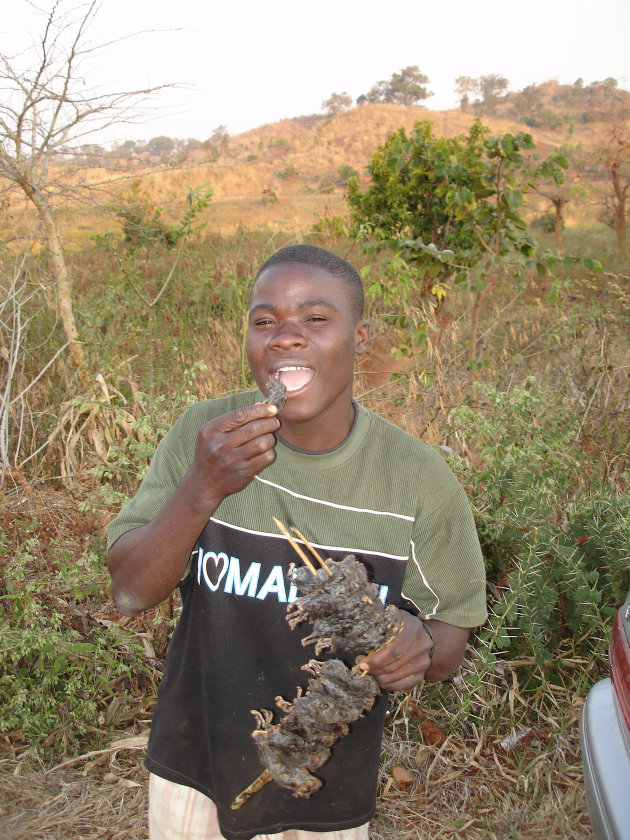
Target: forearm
[[448, 651], [147, 563]]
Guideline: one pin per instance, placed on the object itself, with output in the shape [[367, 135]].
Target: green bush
[[557, 544], [59, 667]]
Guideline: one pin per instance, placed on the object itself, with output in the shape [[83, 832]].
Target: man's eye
[[262, 322], [316, 318]]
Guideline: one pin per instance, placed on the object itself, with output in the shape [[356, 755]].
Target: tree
[[615, 156], [336, 103], [406, 197], [560, 194], [489, 88], [220, 136], [408, 86], [161, 145], [450, 209], [465, 85], [46, 109], [405, 88]]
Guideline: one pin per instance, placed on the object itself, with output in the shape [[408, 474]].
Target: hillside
[[288, 174]]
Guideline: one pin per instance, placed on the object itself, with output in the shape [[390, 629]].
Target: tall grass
[[543, 450]]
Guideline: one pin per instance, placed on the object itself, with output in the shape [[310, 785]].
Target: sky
[[248, 63]]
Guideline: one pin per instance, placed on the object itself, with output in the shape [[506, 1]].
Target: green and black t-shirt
[[383, 496]]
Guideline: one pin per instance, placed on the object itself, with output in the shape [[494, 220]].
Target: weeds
[[544, 460], [59, 667], [556, 546]]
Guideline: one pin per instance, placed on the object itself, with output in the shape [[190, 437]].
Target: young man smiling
[[202, 519]]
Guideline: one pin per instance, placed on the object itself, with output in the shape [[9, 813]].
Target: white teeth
[[289, 368]]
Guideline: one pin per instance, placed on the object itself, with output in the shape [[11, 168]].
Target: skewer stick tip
[[313, 551], [250, 790], [283, 530]]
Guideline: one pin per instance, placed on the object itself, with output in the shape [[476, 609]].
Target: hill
[[289, 173]]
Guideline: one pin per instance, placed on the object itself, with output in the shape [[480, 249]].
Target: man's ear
[[361, 337]]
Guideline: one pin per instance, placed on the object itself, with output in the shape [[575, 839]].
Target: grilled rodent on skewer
[[347, 615], [300, 743], [344, 608]]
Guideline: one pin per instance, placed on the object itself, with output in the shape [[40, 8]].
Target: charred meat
[[344, 608], [300, 743], [347, 615], [276, 394]]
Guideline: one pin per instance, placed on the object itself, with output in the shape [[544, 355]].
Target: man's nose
[[287, 334]]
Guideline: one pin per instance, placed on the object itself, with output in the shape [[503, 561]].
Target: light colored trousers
[[177, 812]]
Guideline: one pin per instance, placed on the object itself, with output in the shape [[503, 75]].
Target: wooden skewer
[[250, 790], [315, 554], [295, 546]]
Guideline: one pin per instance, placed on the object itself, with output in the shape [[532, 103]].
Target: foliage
[[346, 172], [337, 102], [556, 546], [405, 88], [289, 171], [489, 88], [450, 210], [142, 221], [413, 184], [58, 668], [128, 459], [326, 184]]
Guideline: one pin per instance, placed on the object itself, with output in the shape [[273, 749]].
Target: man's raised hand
[[233, 448]]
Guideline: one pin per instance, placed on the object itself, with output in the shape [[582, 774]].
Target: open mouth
[[294, 377]]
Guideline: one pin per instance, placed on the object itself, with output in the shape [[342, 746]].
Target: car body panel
[[605, 737], [606, 760]]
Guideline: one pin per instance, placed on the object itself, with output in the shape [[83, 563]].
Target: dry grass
[[480, 786], [432, 784], [105, 801]]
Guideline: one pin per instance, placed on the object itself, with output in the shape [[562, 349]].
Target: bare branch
[[45, 109]]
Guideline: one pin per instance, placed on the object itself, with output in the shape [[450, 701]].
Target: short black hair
[[320, 258]]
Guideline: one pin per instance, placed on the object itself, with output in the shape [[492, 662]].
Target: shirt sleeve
[[445, 575], [172, 458]]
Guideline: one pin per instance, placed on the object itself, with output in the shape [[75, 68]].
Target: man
[[352, 483]]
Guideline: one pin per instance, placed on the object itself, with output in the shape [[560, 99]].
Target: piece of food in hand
[[276, 394], [344, 608], [300, 743]]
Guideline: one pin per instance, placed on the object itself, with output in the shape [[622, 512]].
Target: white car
[[605, 736]]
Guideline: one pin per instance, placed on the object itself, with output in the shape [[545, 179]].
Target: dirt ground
[[438, 787]]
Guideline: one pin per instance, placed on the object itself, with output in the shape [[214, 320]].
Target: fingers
[[242, 427], [403, 662], [249, 421], [235, 447]]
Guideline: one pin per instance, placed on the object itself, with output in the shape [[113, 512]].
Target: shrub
[[59, 667], [556, 545]]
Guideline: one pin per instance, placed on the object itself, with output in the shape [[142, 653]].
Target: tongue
[[293, 380]]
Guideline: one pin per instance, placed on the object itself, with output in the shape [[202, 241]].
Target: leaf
[[403, 778], [513, 198], [592, 265], [439, 291], [134, 742]]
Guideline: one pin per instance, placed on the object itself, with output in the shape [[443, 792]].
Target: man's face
[[302, 328]]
